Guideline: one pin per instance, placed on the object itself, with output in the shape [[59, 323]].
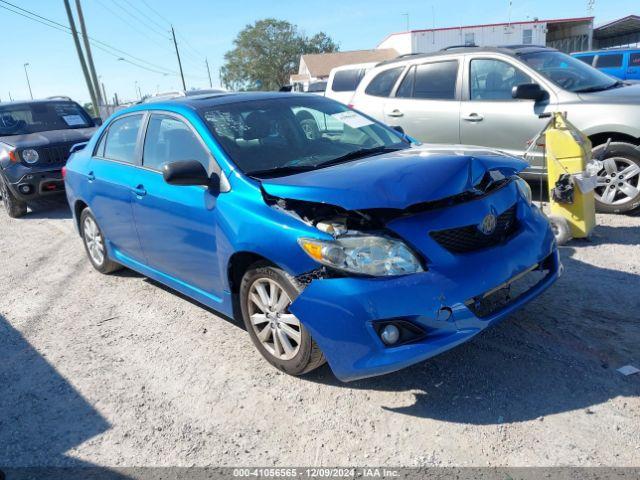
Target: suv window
[[383, 83], [171, 140], [609, 61], [634, 60], [121, 139], [433, 81], [347, 80], [494, 79], [588, 59], [23, 119]]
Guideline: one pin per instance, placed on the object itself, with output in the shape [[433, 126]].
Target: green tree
[[267, 52]]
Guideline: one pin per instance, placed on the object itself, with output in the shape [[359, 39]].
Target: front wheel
[[618, 187], [266, 293], [15, 208]]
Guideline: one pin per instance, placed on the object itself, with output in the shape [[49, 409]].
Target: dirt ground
[[120, 371]]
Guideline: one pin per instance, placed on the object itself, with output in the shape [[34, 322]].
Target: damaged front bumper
[[449, 306]]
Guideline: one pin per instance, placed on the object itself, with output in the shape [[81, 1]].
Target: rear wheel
[[618, 187], [266, 293], [15, 208], [94, 244]]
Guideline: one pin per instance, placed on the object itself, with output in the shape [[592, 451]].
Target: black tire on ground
[[107, 265], [560, 228], [309, 356], [14, 207], [626, 151]]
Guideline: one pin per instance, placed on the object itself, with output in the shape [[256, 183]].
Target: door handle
[[140, 191], [395, 113], [473, 117], [91, 177]]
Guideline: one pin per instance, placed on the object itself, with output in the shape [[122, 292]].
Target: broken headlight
[[363, 254]]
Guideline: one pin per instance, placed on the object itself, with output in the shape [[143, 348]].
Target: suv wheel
[[265, 295], [15, 208], [618, 188], [94, 244]]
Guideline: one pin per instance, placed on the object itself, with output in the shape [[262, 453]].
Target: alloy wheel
[[93, 240], [277, 329], [618, 182]]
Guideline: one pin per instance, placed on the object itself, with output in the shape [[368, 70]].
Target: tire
[[614, 194], [14, 207], [306, 355], [93, 240], [560, 228]]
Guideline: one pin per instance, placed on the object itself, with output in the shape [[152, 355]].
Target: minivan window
[[588, 59], [609, 61], [171, 140], [494, 79], [634, 60], [347, 80], [121, 139], [431, 81], [383, 83]]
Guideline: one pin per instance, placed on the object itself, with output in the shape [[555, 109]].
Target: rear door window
[[383, 83], [430, 81], [634, 60], [122, 138], [609, 61], [347, 80], [588, 59]]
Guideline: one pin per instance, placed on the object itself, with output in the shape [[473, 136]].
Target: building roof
[[320, 64], [621, 26], [488, 25]]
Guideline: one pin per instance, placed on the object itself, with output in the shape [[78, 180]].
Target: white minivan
[[344, 80]]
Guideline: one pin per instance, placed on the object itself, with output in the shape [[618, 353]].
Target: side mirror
[[529, 91], [398, 129], [97, 121], [77, 147], [186, 172]]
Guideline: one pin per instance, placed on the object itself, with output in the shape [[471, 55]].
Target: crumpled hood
[[396, 180], [51, 137]]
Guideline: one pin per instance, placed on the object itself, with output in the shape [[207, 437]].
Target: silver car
[[498, 97]]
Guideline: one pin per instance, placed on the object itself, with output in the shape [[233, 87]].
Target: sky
[[206, 29]]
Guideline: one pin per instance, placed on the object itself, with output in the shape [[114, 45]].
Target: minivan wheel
[[618, 187], [266, 293], [15, 208], [94, 244]]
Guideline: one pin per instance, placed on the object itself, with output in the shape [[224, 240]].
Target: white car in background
[[344, 80]]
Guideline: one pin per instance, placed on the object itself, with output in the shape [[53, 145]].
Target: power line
[[105, 47], [145, 15], [141, 20]]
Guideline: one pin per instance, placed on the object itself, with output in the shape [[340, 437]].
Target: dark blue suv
[[35, 141]]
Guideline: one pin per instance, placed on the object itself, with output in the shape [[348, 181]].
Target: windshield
[[281, 136], [567, 72], [28, 118]]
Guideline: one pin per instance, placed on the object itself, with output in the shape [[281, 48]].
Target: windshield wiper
[[599, 88], [362, 153], [281, 171]]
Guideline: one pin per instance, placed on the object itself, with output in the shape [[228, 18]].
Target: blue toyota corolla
[[334, 237]]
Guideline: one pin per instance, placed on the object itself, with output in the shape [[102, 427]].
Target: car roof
[[608, 50], [43, 100], [512, 50], [214, 99]]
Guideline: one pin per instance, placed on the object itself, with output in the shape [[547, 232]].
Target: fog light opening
[[25, 189], [390, 334]]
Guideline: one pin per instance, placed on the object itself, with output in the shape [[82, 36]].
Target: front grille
[[469, 238], [57, 154]]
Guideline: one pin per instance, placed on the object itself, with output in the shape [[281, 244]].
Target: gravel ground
[[120, 371]]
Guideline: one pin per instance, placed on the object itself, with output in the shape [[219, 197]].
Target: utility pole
[[175, 43], [87, 49], [76, 41], [26, 74], [209, 72]]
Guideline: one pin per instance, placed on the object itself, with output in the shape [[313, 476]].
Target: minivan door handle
[[91, 176], [395, 113], [473, 117], [140, 191]]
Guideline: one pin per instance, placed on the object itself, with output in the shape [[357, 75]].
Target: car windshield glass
[[286, 135], [567, 72], [22, 119]]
